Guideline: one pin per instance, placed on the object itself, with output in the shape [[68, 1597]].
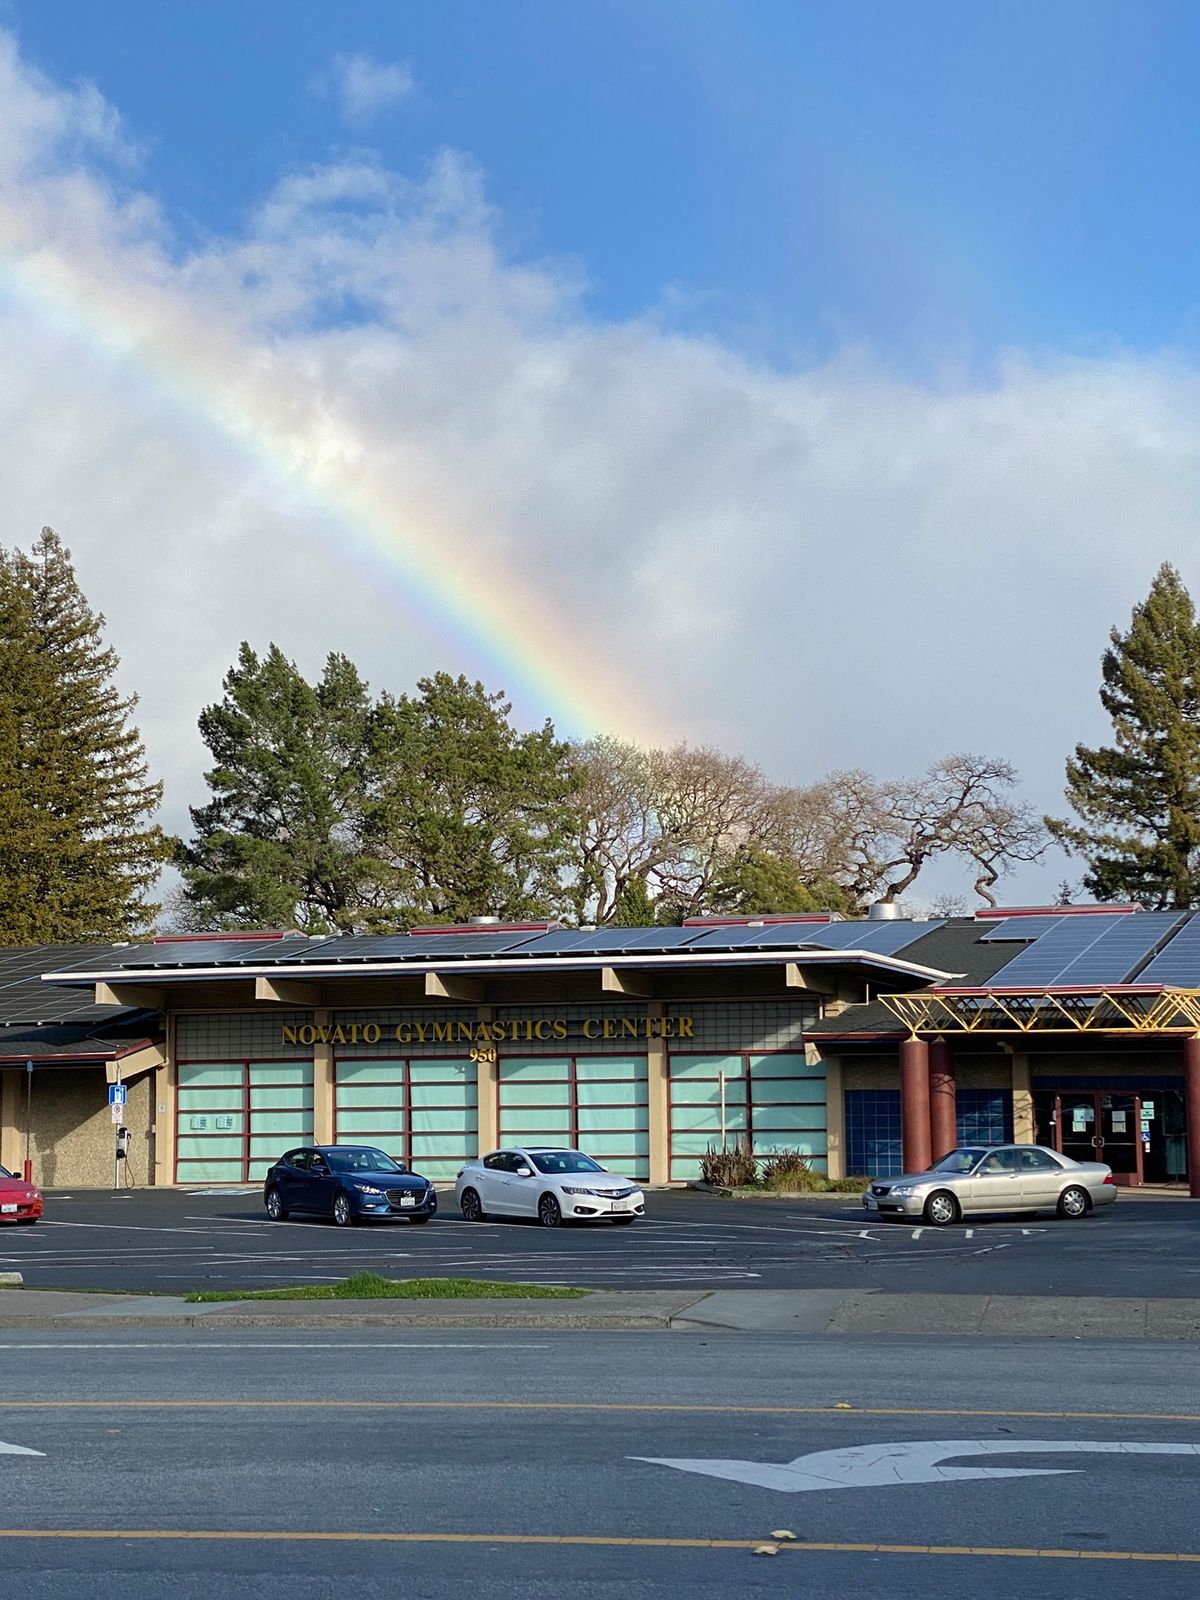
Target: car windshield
[[563, 1161], [959, 1161], [5, 1173], [360, 1160]]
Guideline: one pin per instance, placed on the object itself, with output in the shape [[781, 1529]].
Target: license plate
[[868, 1202], [408, 1200], [621, 1205], [7, 1208]]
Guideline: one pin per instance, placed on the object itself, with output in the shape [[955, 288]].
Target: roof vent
[[883, 911], [483, 922]]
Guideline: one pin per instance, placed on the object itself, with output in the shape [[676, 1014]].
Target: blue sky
[[820, 381], [938, 180]]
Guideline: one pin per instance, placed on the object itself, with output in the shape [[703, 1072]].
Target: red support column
[[914, 1104], [943, 1099], [1191, 1095]]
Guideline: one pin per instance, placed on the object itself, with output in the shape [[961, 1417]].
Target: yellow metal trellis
[[1097, 1011]]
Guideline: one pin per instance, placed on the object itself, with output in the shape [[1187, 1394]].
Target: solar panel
[[404, 947], [1121, 949], [1019, 930], [610, 941], [883, 938], [1179, 963], [1041, 962]]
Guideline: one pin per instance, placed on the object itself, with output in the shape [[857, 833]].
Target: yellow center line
[[122, 1403], [594, 1541]]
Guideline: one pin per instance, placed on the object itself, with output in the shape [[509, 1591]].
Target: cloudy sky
[[821, 380]]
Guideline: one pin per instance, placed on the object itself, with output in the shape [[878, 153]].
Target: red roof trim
[[486, 927], [1002, 913], [772, 920], [1062, 988]]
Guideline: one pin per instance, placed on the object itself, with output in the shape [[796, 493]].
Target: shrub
[[789, 1170], [729, 1169]]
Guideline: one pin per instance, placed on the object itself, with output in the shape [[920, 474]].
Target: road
[[253, 1464], [168, 1241]]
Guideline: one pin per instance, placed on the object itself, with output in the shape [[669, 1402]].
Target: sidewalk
[[801, 1311]]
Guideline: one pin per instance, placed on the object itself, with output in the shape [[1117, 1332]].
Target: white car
[[553, 1185]]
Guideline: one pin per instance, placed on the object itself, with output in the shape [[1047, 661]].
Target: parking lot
[[172, 1241]]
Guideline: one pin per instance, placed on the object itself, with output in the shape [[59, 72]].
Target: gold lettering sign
[[518, 1030]]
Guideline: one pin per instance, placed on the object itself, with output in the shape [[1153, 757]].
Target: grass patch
[[814, 1183], [370, 1286]]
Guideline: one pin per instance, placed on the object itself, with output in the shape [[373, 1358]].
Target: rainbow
[[319, 473]]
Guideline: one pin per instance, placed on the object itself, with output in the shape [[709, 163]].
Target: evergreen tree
[[1139, 798], [471, 817], [756, 880], [280, 842], [634, 906], [78, 850]]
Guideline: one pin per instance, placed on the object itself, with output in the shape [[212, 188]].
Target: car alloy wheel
[[549, 1211], [276, 1209], [471, 1206], [1073, 1203], [941, 1209], [342, 1214]]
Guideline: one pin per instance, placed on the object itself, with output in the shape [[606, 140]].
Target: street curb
[[636, 1321]]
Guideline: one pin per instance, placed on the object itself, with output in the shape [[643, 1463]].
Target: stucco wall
[[73, 1132]]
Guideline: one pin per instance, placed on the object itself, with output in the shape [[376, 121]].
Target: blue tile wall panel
[[873, 1126], [873, 1133]]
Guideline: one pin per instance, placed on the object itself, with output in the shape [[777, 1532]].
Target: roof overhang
[[153, 977]]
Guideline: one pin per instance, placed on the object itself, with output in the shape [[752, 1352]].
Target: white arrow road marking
[[18, 1450], [875, 1466]]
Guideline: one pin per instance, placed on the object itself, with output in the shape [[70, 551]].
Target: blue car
[[349, 1183]]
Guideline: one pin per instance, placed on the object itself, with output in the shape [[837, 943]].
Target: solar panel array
[[1020, 930], [1088, 950], [24, 998], [1179, 963]]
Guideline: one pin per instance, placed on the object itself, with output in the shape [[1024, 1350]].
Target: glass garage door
[[599, 1104], [424, 1112], [233, 1119], [774, 1099]]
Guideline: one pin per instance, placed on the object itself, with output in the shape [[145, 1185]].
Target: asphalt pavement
[[171, 1242], [599, 1465]]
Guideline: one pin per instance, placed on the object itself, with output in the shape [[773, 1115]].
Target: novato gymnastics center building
[[866, 1045]]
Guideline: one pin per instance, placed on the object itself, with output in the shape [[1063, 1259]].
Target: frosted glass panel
[[281, 1072], [685, 1118], [592, 1119], [370, 1122], [208, 1172], [292, 1122], [535, 1094], [374, 1071], [210, 1100], [440, 1094], [699, 1094], [707, 1066], [556, 1126], [610, 1067], [193, 1149], [463, 1072], [297, 1099], [608, 1094], [448, 1120], [370, 1094], [210, 1075], [787, 1064], [549, 1067], [781, 1091]]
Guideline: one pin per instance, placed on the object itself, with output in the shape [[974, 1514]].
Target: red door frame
[[1124, 1179]]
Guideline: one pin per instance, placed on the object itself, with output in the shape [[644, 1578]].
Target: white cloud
[[828, 567], [365, 87]]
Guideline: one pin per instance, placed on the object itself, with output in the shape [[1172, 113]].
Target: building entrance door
[[1095, 1125]]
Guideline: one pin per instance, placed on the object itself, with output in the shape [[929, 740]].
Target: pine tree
[[280, 842], [471, 816], [78, 850], [1139, 798]]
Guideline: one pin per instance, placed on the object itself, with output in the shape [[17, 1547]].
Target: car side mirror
[[524, 1172]]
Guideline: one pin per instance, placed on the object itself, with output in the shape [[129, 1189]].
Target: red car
[[19, 1201]]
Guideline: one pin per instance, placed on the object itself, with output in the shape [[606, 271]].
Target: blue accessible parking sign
[[117, 1094]]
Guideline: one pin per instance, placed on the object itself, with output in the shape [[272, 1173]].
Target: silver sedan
[[993, 1178]]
